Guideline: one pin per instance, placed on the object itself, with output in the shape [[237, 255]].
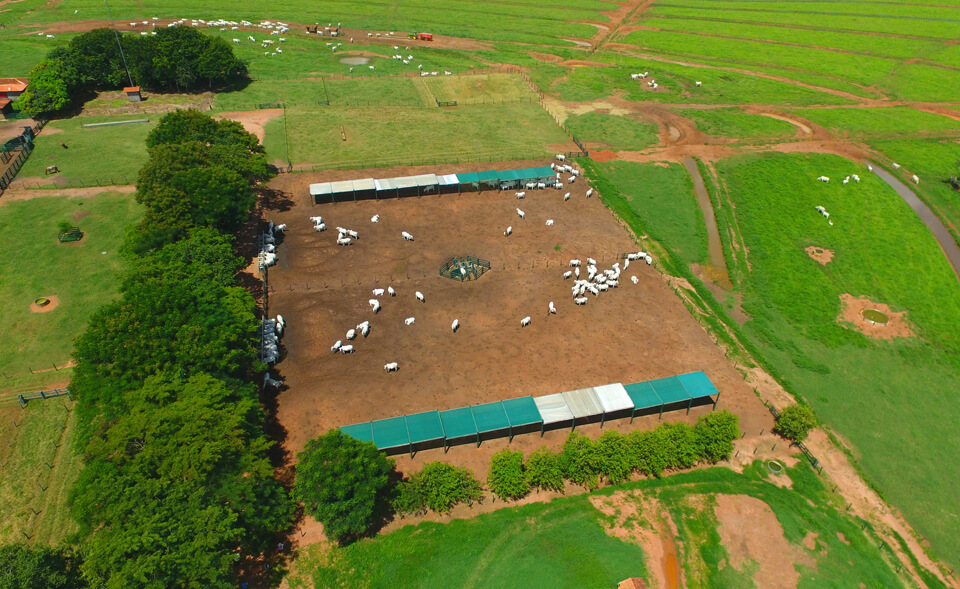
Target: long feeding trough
[[477, 423]]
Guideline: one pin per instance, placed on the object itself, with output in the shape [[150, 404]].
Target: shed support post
[[543, 426], [633, 413], [603, 416], [661, 412], [478, 439], [717, 400], [689, 405]]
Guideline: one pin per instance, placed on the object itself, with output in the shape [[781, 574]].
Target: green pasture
[[732, 122], [21, 53], [879, 122], [563, 543], [524, 21], [614, 132], [480, 89], [98, 155], [859, 69], [892, 47], [398, 136], [941, 28], [677, 84], [662, 195], [887, 398], [39, 466], [82, 275], [933, 162]]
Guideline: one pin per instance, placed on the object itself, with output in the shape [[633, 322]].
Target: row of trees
[[178, 59], [177, 484], [349, 486]]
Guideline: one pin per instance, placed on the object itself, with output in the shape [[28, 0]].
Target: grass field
[[731, 122], [79, 274], [414, 135], [480, 89], [564, 544], [892, 415], [613, 131], [39, 456], [882, 122], [663, 197], [98, 155]]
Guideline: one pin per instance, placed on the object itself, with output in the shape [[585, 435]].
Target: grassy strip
[[79, 274], [615, 132], [732, 122], [112, 155], [873, 122]]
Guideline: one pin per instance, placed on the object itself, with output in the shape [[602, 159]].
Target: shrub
[[506, 478], [64, 226], [716, 432], [614, 457], [438, 486], [341, 481], [581, 464], [795, 422], [41, 566], [545, 470]]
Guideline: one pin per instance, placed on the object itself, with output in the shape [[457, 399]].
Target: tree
[[47, 91], [613, 456], [342, 482], [683, 447], [192, 126], [506, 478], [544, 470], [438, 486], [176, 485], [97, 59], [581, 464], [716, 432], [22, 566], [795, 422]]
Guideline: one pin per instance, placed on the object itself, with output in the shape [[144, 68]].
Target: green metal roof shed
[[389, 434], [424, 427], [489, 417], [671, 390], [458, 423], [360, 431], [521, 412], [643, 397], [699, 386]]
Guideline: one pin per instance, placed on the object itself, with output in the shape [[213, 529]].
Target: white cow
[[521, 214], [420, 297], [391, 367], [549, 222], [406, 236], [525, 321], [409, 321], [509, 230], [336, 347], [378, 292], [346, 350], [551, 309], [455, 325]]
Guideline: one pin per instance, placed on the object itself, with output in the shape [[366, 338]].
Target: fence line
[[459, 158], [22, 399], [806, 451]]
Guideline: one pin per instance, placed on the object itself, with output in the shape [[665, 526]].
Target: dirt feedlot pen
[[629, 334]]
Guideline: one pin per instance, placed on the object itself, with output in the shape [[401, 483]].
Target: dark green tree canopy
[[190, 126], [22, 567], [506, 478], [342, 482], [48, 91], [176, 485], [796, 422]]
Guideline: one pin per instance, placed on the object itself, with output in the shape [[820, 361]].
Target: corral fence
[[15, 159], [453, 158], [23, 399], [79, 182], [446, 102], [465, 268]]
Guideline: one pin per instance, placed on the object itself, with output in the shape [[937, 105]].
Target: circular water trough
[[774, 467], [874, 316], [41, 302]]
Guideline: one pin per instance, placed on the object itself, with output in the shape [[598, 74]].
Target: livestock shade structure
[[583, 403], [522, 414], [553, 410], [614, 400], [699, 386], [672, 392], [425, 430], [643, 397], [458, 424], [360, 431], [448, 183], [490, 418], [489, 178], [391, 434]]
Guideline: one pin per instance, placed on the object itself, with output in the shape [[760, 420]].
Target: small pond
[[355, 60]]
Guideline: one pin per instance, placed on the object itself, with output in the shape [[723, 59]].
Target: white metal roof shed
[[583, 402], [553, 409], [613, 397], [320, 189]]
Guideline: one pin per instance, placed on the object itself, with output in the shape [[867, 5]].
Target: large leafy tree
[[715, 433], [342, 482], [97, 59], [176, 486], [189, 126], [48, 91], [186, 59], [22, 566], [796, 422]]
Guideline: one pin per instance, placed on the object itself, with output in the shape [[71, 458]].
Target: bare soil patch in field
[[749, 530], [253, 121], [819, 254], [629, 334], [53, 303], [853, 312]]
